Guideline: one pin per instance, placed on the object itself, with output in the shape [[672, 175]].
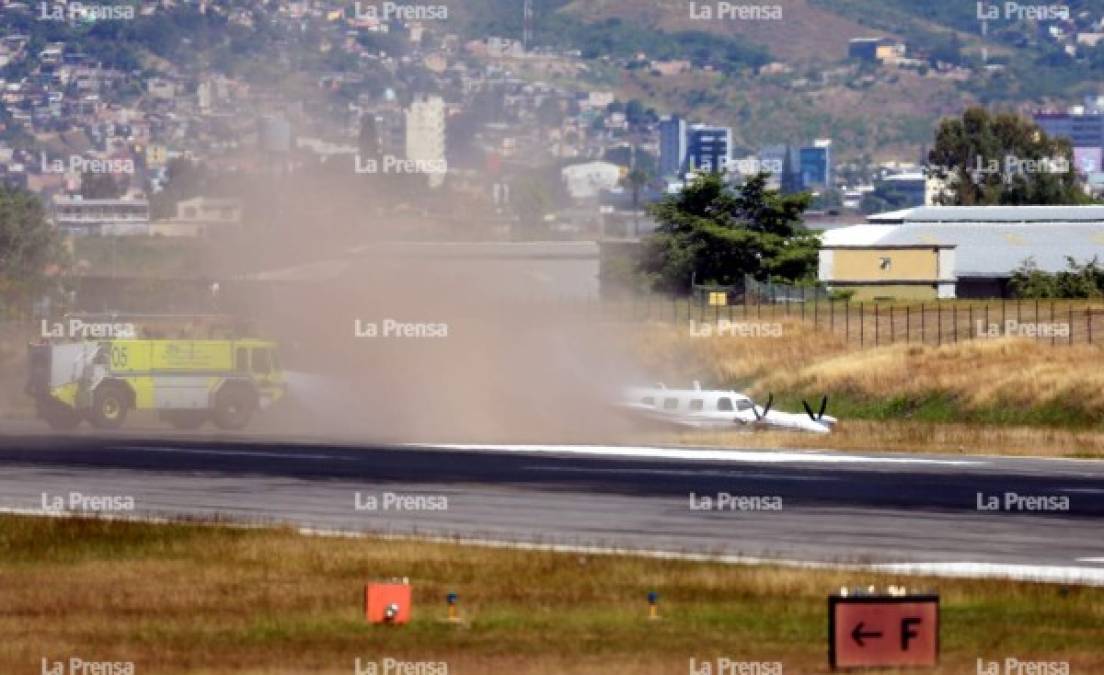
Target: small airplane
[[717, 409]]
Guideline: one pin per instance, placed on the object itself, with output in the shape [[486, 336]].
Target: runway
[[961, 516]]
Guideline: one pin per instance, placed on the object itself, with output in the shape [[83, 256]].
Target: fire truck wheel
[[109, 407], [59, 416], [233, 408]]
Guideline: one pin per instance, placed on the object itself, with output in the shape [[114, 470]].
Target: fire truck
[[186, 382]]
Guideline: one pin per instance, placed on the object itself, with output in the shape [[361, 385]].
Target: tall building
[[1084, 127], [816, 164], [672, 147], [790, 181], [425, 135], [708, 148]]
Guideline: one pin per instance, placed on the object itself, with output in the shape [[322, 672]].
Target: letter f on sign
[[907, 631]]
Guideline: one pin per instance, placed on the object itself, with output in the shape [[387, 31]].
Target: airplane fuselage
[[713, 409]]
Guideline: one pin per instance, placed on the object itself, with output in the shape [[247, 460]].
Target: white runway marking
[[1055, 574], [681, 472], [764, 456]]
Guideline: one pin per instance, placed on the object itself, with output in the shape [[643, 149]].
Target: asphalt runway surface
[[912, 513]]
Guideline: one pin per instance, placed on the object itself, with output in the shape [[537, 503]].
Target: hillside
[[811, 88], [806, 33]]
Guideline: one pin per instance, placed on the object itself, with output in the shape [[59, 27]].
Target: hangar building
[[956, 251]]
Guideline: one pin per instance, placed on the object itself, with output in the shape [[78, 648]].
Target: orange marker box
[[387, 603]]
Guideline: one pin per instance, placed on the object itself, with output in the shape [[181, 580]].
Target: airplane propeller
[[766, 409], [820, 413]]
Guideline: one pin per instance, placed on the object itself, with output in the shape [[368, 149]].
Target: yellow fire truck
[[186, 382]]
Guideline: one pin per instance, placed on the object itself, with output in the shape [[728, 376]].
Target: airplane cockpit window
[[670, 403], [697, 404], [648, 400], [744, 404], [724, 404]]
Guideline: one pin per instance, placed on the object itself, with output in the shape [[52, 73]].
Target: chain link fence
[[873, 324]]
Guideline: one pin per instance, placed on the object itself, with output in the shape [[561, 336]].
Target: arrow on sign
[[857, 635]]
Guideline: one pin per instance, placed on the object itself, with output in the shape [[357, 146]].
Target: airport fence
[[873, 324]]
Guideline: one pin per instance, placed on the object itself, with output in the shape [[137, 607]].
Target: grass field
[[199, 599], [1001, 396]]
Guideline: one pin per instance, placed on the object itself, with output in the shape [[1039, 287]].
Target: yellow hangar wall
[[870, 273], [869, 264], [868, 292]]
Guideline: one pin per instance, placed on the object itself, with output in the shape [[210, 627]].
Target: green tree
[[1076, 281], [533, 202], [712, 233], [28, 245], [1028, 281], [1019, 164]]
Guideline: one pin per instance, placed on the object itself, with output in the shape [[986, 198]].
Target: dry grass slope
[[1006, 395]]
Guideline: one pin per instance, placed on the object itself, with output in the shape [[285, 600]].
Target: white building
[[425, 135], [588, 180], [77, 216]]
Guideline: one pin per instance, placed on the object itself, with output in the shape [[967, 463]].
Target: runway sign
[[870, 631], [387, 603]]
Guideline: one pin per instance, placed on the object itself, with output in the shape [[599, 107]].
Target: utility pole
[[527, 21]]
